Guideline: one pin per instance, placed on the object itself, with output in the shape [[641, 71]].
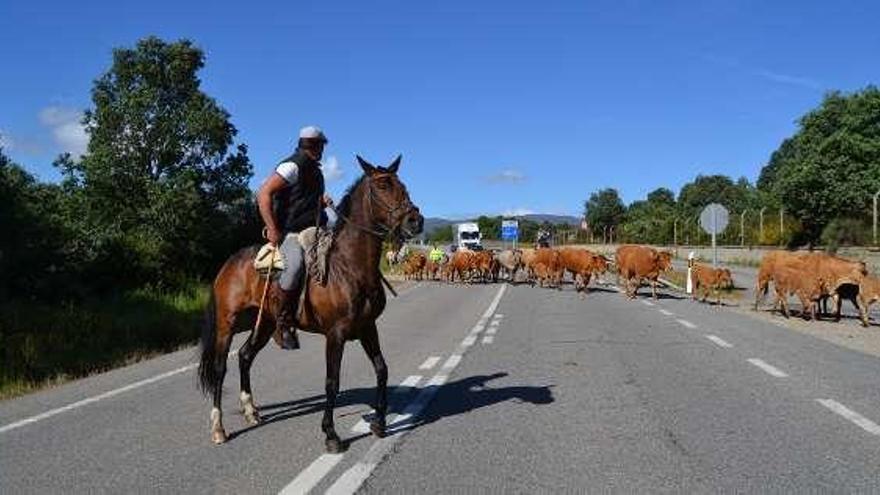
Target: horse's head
[[389, 200]]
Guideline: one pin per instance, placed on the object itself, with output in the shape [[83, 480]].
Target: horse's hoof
[[218, 437], [378, 430], [253, 419], [335, 446]]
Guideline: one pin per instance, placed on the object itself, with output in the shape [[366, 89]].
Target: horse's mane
[[344, 208]]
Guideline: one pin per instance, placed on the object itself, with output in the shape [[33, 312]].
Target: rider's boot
[[285, 329]]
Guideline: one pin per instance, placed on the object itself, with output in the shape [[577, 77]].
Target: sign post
[[510, 231], [714, 219]]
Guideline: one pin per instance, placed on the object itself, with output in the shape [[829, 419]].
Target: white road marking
[[452, 362], [772, 370], [647, 303], [105, 395], [686, 323], [488, 339], [312, 475], [469, 340], [667, 313], [498, 316], [718, 340], [492, 331], [494, 323], [430, 363], [863, 422], [477, 328], [353, 478], [409, 382]]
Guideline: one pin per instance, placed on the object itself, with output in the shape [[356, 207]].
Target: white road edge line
[[718, 340], [686, 323], [105, 395], [469, 341], [430, 363], [666, 312], [312, 475], [354, 477], [771, 370], [863, 422]]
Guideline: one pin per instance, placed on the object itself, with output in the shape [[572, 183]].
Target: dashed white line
[[771, 370], [488, 339], [686, 323], [452, 362], [863, 422], [312, 475], [494, 323], [105, 395], [430, 363], [492, 331], [718, 340], [498, 316], [666, 312], [408, 383]]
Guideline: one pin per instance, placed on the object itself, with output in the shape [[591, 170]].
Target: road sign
[[509, 230], [714, 218]]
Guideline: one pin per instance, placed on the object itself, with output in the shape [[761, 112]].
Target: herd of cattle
[[813, 278]]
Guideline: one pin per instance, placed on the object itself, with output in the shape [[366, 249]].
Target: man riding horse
[[291, 200]]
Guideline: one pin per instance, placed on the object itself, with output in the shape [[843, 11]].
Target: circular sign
[[714, 218]]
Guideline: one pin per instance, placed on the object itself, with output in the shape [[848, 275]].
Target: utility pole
[[675, 226], [742, 228], [761, 225], [781, 224], [876, 195]]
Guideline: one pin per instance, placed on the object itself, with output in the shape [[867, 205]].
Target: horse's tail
[[208, 379]]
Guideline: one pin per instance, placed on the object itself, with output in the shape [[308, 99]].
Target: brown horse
[[346, 308]]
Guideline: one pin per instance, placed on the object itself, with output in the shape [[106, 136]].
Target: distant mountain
[[434, 223]]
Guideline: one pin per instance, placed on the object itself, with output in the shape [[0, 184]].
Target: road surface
[[502, 388]]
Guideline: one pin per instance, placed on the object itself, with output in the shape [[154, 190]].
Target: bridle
[[389, 211]]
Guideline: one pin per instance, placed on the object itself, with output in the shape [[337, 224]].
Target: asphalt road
[[519, 390]]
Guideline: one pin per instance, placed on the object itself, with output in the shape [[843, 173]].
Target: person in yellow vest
[[436, 254]]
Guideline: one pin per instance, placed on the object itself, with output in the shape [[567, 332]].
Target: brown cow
[[791, 279], [581, 263], [710, 279], [837, 273], [510, 260], [461, 265], [869, 292], [546, 266], [414, 265], [638, 263]]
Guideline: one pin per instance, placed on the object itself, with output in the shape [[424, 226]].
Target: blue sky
[[497, 106]]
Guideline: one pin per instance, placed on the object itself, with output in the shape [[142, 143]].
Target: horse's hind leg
[[246, 354], [370, 343], [222, 343], [335, 345]]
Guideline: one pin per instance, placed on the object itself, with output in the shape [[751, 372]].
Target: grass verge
[[44, 345]]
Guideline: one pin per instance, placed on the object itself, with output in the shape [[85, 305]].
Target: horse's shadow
[[454, 398]]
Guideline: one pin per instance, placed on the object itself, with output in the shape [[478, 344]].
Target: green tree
[[604, 209], [830, 168], [158, 190]]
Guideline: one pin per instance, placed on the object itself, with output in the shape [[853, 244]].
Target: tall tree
[[831, 167], [604, 209], [159, 185]]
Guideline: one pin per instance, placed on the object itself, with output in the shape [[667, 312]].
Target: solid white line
[[667, 313], [312, 475], [488, 339], [430, 363], [647, 303], [772, 370], [492, 307], [105, 395], [863, 422], [718, 340], [469, 340], [477, 328], [452, 362], [686, 323]]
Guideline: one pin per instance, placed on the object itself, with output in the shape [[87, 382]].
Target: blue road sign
[[509, 230]]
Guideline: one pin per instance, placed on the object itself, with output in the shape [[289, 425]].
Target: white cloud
[[507, 176], [778, 77], [517, 212], [67, 130], [332, 170], [19, 144]]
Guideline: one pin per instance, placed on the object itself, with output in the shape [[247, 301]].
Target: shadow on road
[[454, 398]]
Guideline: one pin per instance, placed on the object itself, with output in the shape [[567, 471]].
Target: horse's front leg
[[246, 354], [335, 345], [370, 343]]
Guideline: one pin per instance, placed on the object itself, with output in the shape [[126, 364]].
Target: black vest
[[296, 207]]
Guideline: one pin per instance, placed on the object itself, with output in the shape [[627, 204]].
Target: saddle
[[316, 243]]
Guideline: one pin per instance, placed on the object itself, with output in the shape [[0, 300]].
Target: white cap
[[311, 132]]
